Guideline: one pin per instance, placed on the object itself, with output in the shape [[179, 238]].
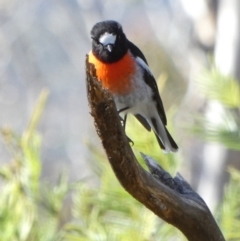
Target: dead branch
[[171, 199]]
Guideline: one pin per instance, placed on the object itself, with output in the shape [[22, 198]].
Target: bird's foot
[[130, 141]]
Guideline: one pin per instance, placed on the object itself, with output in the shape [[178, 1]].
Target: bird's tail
[[164, 138]]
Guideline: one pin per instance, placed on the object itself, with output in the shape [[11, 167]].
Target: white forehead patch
[[107, 38]]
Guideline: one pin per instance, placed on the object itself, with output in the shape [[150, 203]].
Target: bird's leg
[[124, 120], [123, 109]]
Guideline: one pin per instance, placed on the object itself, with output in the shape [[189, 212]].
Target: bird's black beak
[[109, 47]]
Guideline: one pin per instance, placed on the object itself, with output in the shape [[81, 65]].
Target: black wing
[[152, 83], [136, 52]]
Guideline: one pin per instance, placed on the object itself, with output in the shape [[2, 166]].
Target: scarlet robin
[[124, 71]]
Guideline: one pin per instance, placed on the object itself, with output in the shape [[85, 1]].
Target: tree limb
[[171, 199]]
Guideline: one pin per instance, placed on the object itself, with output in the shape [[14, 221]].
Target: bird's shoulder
[[136, 52]]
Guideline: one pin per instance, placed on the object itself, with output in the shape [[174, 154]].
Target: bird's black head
[[109, 43]]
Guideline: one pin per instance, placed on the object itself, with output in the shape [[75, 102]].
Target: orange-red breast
[[123, 70]]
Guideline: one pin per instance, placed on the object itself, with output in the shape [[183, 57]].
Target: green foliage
[[221, 123], [108, 212], [26, 211], [216, 86], [229, 213], [31, 209]]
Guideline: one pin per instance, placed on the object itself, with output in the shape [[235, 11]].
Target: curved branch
[[171, 199]]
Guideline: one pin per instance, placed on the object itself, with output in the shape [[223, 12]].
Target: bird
[[122, 68]]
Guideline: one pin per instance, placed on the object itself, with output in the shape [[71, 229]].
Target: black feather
[[143, 121], [173, 143]]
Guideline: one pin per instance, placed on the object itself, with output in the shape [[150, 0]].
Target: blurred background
[[43, 44]]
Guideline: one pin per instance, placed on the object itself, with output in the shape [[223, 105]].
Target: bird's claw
[[130, 141]]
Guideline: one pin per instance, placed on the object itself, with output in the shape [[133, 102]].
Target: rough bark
[[171, 199]]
